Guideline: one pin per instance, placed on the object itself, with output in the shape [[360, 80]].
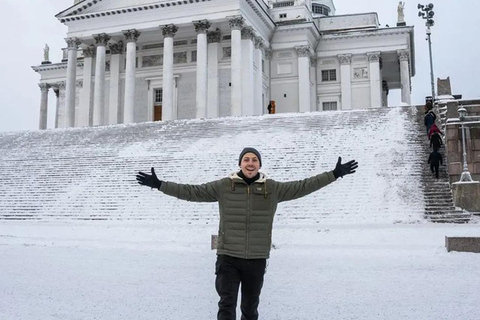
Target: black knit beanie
[[252, 150]]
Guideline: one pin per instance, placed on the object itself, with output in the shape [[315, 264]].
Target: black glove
[[343, 169], [149, 180]]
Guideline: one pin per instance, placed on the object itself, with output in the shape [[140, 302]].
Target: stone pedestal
[[466, 195]]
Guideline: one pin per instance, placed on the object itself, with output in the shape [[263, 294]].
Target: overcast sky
[[28, 25]]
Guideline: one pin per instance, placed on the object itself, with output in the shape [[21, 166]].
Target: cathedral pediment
[[88, 7]]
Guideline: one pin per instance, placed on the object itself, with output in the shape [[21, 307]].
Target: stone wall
[[448, 110]]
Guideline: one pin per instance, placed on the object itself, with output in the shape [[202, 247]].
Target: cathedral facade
[[130, 61]]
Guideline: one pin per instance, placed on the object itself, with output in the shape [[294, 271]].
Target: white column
[[268, 59], [248, 81], [258, 86], [346, 80], [168, 32], [131, 37], [43, 105], [236, 24], [60, 113], [375, 80], [303, 53], [201, 28], [404, 57], [116, 51], [313, 77], [213, 103], [73, 44], [101, 41], [83, 116]]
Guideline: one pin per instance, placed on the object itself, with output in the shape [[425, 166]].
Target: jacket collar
[[236, 178]]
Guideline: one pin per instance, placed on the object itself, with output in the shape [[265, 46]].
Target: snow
[[358, 249], [130, 270]]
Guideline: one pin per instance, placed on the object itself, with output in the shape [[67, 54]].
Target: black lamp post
[[426, 12]]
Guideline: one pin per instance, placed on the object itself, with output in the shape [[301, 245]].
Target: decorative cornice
[[73, 43], [169, 30], [214, 36], [248, 33], [89, 52], [345, 58], [101, 39], [77, 15], [201, 26], [303, 51], [365, 34], [236, 23], [403, 55], [373, 56], [131, 35], [116, 48], [49, 67]]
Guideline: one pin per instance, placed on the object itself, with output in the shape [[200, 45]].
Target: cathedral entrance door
[[157, 113]]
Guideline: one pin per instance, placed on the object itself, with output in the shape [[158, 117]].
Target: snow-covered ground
[[138, 270]]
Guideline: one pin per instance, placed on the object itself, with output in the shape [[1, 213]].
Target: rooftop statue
[[401, 15]]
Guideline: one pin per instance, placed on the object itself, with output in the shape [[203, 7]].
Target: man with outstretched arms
[[247, 204]]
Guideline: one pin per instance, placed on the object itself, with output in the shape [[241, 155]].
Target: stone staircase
[[89, 173], [439, 206]]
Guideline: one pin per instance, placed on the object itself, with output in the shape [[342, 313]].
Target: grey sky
[[29, 25]]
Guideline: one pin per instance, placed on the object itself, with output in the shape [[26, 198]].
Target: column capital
[[403, 55], [169, 30], [303, 51], [131, 35], [72, 43], [374, 56], [61, 85], [268, 54], [89, 52], [236, 23], [258, 42], [213, 36], [44, 87], [101, 39], [116, 48], [201, 26], [345, 58], [247, 33]]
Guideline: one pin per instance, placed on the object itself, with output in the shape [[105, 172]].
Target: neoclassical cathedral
[[129, 61]]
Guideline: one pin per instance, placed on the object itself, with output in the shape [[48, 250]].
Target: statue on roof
[[401, 14], [46, 53]]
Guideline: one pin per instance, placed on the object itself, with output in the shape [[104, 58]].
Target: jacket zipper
[[248, 220]]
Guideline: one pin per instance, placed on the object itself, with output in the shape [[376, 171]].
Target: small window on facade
[[329, 106], [283, 15], [158, 96], [329, 75], [320, 9]]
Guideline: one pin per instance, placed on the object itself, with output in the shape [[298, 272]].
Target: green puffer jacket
[[246, 211]]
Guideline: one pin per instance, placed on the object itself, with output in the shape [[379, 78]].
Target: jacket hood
[[236, 178]]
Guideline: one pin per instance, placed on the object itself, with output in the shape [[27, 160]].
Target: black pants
[[434, 168], [230, 273]]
